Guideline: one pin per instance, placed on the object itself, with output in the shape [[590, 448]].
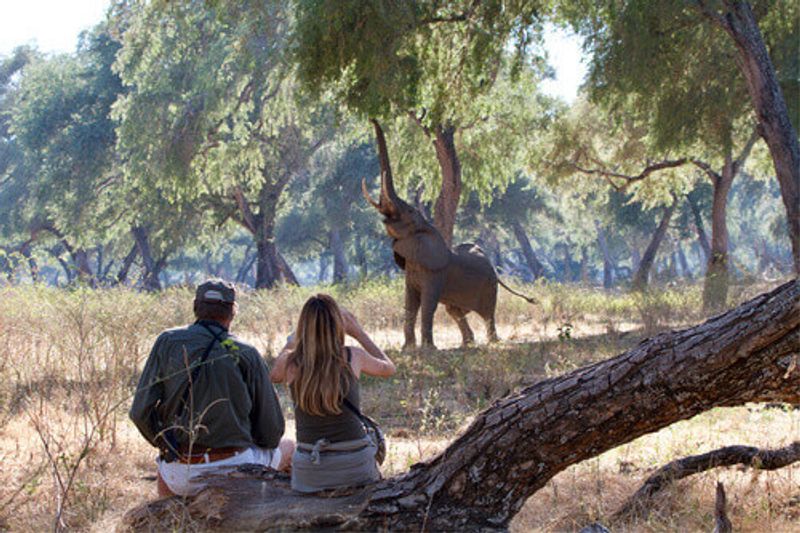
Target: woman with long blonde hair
[[333, 449]]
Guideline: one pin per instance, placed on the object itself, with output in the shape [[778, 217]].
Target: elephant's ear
[[401, 262], [425, 248]]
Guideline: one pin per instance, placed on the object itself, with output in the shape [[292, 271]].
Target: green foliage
[[61, 125], [442, 64], [386, 57], [666, 62]]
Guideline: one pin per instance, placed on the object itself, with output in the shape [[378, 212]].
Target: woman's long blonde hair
[[321, 381]]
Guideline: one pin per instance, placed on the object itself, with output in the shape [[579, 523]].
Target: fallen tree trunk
[[512, 449], [639, 503]]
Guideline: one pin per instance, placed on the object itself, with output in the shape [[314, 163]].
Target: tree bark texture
[[33, 265], [685, 270], [127, 262], [336, 246], [444, 212], [608, 262], [152, 267], [715, 285], [640, 280], [513, 448], [535, 266], [699, 227], [770, 106], [287, 274], [267, 268]]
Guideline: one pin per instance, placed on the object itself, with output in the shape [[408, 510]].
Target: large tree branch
[[710, 172], [512, 449], [630, 179], [247, 219], [687, 466], [418, 120], [739, 162]]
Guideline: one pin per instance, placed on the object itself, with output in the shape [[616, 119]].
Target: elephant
[[463, 279]]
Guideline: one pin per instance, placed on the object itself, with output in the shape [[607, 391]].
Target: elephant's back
[[474, 262]]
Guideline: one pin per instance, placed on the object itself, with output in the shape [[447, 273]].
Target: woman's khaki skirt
[[325, 465]]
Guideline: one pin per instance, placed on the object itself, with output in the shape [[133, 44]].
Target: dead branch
[[750, 456]]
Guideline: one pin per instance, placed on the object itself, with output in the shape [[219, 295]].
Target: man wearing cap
[[206, 401]]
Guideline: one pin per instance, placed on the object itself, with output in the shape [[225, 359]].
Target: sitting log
[[513, 448]]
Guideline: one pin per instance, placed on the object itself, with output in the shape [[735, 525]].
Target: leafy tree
[[213, 113], [640, 150], [66, 138], [637, 49], [435, 64]]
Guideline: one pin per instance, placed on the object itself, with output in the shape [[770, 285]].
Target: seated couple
[[206, 399]]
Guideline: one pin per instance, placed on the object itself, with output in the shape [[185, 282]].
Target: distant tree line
[[183, 139]]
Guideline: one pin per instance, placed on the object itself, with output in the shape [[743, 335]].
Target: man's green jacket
[[231, 403]]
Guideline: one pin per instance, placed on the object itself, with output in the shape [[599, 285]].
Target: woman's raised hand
[[351, 325]]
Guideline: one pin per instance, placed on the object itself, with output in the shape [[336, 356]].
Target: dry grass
[[71, 360]]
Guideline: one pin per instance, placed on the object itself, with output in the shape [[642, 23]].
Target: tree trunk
[[490, 244], [56, 252], [33, 265], [444, 212], [585, 266], [608, 263], [770, 106], [698, 224], [122, 275], [512, 449], [339, 259], [715, 286], [672, 273], [568, 274], [247, 264], [152, 267], [323, 267], [361, 258], [286, 271], [267, 269], [535, 266], [642, 276], [636, 258], [687, 272]]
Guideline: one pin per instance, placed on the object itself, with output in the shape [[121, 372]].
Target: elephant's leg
[[430, 299], [487, 314], [460, 316], [491, 329], [412, 307]]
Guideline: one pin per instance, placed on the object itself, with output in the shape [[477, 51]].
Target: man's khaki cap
[[216, 290]]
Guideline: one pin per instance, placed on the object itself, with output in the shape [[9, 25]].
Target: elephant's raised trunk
[[388, 199]]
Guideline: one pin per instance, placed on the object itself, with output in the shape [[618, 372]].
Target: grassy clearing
[[72, 358]]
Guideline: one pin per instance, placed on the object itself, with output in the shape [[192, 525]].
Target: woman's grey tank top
[[335, 428]]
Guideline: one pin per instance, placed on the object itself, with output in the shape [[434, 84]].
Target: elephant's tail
[[512, 291]]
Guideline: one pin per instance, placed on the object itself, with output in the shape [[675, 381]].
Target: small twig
[[722, 523]]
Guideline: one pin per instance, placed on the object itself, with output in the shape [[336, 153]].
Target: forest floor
[[72, 359]]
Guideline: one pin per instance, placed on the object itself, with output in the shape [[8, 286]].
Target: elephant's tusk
[[375, 204]]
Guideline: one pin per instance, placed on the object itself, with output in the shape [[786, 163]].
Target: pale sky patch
[[51, 25], [565, 56]]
